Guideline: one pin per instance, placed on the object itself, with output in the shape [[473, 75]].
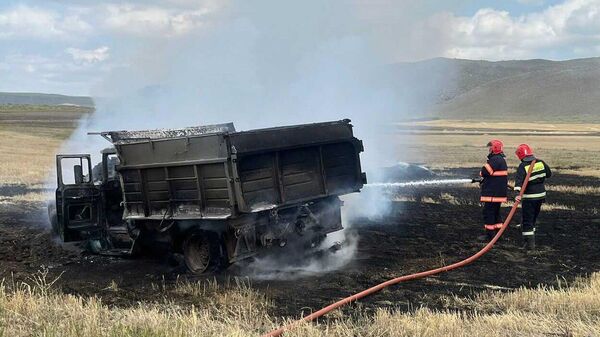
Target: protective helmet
[[496, 146], [523, 151]]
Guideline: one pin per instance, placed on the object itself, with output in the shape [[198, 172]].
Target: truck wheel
[[197, 253]]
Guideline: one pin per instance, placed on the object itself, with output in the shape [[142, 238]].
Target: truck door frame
[[84, 197]]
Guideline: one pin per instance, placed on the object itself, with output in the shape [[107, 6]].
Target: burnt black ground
[[414, 237]]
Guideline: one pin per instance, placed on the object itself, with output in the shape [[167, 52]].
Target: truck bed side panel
[[179, 178], [185, 191], [283, 177]]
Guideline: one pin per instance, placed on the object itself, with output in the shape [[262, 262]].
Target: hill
[[14, 98], [515, 90]]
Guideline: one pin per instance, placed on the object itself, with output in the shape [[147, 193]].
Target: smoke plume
[[269, 63]]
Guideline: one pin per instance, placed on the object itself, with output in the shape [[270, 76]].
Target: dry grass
[[582, 190], [589, 172], [35, 309], [428, 200], [28, 148], [478, 125], [27, 157], [28, 108], [450, 199], [444, 149]]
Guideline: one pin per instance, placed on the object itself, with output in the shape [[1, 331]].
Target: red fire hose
[[374, 289]]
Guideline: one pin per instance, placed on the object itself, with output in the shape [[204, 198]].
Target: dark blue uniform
[[535, 194], [493, 191]]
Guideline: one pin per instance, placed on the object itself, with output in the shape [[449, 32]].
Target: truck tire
[[199, 253]]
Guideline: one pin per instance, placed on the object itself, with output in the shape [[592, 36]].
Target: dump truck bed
[[219, 173]]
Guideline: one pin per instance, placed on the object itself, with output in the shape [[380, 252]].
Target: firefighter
[[494, 184], [535, 193]]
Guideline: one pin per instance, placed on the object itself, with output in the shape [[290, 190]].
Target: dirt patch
[[414, 237]]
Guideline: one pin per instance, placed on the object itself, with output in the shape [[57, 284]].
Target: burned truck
[[209, 193]]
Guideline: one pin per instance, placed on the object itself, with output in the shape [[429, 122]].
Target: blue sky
[[81, 46]]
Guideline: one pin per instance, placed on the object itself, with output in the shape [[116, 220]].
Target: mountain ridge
[[32, 98], [534, 89]]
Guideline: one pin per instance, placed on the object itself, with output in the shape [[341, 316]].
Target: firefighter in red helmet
[[535, 193], [494, 182]]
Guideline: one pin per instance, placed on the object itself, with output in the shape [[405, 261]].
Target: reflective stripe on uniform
[[517, 188], [498, 225], [490, 227], [491, 171], [533, 196], [537, 176], [493, 199], [529, 233], [539, 166]]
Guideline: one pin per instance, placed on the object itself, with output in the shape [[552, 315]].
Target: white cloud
[[89, 56], [572, 27], [33, 22], [54, 73], [531, 2], [152, 21]]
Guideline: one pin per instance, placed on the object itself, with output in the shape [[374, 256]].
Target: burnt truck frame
[[213, 194]]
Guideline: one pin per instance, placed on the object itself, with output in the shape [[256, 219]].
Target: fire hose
[[416, 276]]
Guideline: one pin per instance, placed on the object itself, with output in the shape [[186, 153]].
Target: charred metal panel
[[290, 136], [301, 173], [186, 191], [215, 189], [341, 167], [273, 179], [173, 151], [124, 137], [257, 176]]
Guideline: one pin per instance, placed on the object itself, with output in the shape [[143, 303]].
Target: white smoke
[[269, 63], [283, 265]]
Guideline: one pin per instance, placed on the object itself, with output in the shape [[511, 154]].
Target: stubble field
[[54, 290]]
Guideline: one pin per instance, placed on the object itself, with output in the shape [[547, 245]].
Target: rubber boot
[[530, 243]]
